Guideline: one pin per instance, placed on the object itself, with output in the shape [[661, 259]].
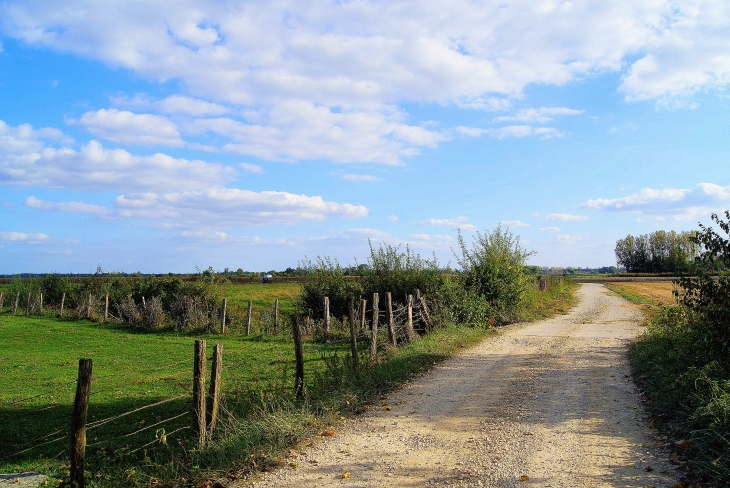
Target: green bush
[[493, 269]]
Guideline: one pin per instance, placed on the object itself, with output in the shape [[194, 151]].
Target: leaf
[[524, 477], [327, 433], [387, 409], [346, 475]]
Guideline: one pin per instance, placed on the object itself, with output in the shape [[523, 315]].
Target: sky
[[169, 135]]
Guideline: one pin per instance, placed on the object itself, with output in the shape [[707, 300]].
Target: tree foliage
[[658, 252]]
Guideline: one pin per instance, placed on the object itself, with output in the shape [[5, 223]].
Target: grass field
[[650, 295], [135, 369]]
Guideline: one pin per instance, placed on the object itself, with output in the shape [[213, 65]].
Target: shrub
[[493, 269]]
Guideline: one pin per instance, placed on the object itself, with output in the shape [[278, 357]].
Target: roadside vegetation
[[139, 362], [682, 362]]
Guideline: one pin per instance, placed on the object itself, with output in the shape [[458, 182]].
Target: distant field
[[651, 295]]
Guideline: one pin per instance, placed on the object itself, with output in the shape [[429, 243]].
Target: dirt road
[[543, 404]]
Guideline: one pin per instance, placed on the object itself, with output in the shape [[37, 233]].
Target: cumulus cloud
[[29, 158], [14, 236], [562, 217], [455, 223], [129, 128], [432, 237], [312, 80], [568, 239], [550, 229], [513, 223], [393, 218], [668, 203], [539, 115], [213, 207]]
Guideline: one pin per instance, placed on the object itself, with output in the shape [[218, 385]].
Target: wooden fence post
[[353, 334], [199, 392], [374, 331], [248, 317], [425, 315], [144, 304], [363, 320], [223, 317], [106, 307], [389, 318], [17, 298], [40, 302], [276, 317], [78, 423], [409, 319], [543, 284], [326, 317], [215, 388], [1, 301], [27, 305], [63, 299], [299, 357]]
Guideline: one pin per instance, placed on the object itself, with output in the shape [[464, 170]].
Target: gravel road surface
[[547, 404]]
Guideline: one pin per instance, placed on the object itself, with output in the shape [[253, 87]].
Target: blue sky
[[162, 136]]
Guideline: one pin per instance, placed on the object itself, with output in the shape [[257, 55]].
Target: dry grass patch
[[651, 296]]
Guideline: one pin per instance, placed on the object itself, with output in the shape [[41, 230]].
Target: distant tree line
[[658, 252]]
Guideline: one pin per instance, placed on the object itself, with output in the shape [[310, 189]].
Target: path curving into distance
[[551, 401]]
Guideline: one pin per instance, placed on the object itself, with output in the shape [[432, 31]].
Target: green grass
[[132, 369], [557, 299]]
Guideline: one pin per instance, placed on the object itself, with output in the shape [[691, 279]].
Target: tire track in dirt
[[546, 404]]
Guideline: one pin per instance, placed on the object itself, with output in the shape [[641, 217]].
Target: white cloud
[[561, 217], [129, 128], [252, 168], [524, 131], [568, 239], [356, 178], [34, 202], [28, 158], [214, 207], [668, 203], [14, 236], [393, 218], [432, 237], [513, 223], [454, 223], [317, 80], [550, 229], [540, 115]]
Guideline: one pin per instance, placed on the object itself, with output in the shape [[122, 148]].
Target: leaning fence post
[[223, 317], [106, 306], [276, 317], [299, 357], [425, 314], [326, 317], [409, 319], [248, 317], [199, 392], [363, 320], [374, 331], [17, 298], [78, 423], [389, 318], [353, 333], [63, 299], [215, 388]]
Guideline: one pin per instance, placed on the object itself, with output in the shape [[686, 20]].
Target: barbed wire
[[99, 423], [139, 430]]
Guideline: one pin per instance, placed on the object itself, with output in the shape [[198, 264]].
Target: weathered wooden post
[[63, 299], [299, 357], [40, 303], [543, 284], [409, 319], [199, 392], [248, 317], [374, 331], [326, 317], [276, 317], [106, 307], [144, 304], [215, 389], [389, 318], [17, 298], [363, 320], [223, 317], [353, 334], [78, 423], [27, 305], [1, 301]]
